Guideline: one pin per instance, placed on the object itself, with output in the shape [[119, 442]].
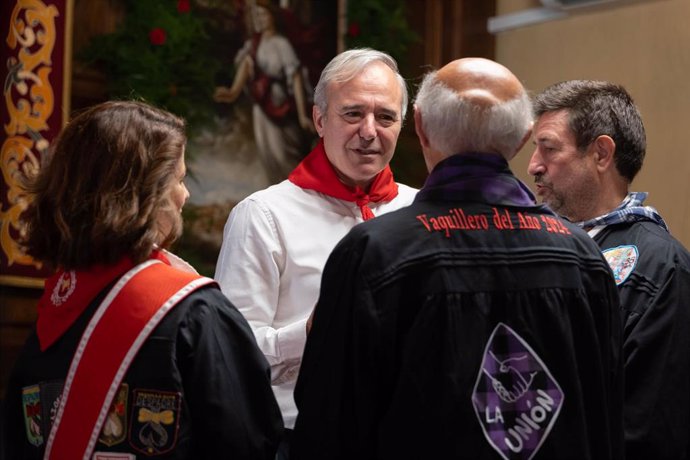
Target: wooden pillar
[[457, 28], [448, 30]]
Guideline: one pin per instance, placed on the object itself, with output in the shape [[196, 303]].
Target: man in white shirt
[[277, 240]]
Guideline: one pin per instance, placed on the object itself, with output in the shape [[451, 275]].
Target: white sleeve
[[286, 54], [244, 51], [249, 268]]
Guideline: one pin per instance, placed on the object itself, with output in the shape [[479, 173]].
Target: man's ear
[[317, 116], [419, 129], [524, 140], [604, 149]]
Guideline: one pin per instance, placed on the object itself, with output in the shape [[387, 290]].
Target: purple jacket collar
[[481, 177]]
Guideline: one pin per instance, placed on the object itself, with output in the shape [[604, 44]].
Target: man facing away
[[473, 323], [277, 240], [590, 144]]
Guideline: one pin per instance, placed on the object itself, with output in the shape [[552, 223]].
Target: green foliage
[[379, 24], [177, 74]]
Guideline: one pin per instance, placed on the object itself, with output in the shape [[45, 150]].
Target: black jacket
[[653, 272], [201, 360], [454, 329]]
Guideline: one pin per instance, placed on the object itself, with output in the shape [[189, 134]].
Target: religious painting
[[36, 63], [271, 58], [241, 72]]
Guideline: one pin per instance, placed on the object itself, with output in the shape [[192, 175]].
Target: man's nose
[[367, 129], [535, 166]]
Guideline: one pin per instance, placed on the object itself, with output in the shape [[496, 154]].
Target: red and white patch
[[64, 288]]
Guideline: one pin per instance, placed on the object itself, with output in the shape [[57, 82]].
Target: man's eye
[[386, 119]]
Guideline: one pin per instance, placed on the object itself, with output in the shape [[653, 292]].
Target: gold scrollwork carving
[[30, 100], [17, 160]]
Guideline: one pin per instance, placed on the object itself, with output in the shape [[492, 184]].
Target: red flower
[[157, 36], [353, 30], [183, 6]]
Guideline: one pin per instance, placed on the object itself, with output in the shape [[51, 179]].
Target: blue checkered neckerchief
[[478, 177], [630, 210]]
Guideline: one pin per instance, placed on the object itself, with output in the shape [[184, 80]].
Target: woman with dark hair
[[133, 353]]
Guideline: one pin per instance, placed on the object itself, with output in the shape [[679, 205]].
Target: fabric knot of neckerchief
[[316, 173], [362, 200], [630, 210]]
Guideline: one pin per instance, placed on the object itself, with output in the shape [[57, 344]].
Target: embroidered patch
[[155, 421], [31, 403], [50, 402], [622, 260], [115, 425], [64, 288], [516, 398], [113, 456]]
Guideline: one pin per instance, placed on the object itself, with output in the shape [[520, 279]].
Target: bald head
[[472, 105], [480, 81]]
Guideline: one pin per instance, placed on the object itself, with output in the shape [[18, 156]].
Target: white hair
[[455, 125], [348, 64]]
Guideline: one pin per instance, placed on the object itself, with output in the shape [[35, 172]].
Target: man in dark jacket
[[590, 144], [472, 324]]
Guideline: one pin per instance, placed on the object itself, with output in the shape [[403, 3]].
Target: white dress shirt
[[275, 246]]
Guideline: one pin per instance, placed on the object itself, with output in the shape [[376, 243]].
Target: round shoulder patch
[[622, 260], [64, 288]]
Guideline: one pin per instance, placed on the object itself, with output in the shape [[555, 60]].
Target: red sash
[[116, 332]]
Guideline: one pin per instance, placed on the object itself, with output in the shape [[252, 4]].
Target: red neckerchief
[[68, 293], [315, 172]]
